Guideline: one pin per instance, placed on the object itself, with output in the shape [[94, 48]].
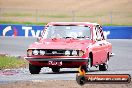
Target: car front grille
[[54, 52]]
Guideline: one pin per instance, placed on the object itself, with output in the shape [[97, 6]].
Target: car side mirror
[[39, 38]]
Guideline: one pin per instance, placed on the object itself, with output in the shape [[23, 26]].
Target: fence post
[[111, 18], [0, 13], [73, 15], [37, 17]]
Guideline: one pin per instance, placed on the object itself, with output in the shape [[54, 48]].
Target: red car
[[69, 45]]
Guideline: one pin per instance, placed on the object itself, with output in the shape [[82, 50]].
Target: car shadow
[[61, 72], [69, 72]]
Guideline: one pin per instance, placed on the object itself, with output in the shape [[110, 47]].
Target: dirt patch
[[101, 11], [94, 5], [60, 84]]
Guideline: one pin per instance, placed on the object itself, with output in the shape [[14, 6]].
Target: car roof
[[73, 23]]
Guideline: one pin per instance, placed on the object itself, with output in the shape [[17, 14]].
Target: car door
[[102, 44], [105, 46], [98, 46]]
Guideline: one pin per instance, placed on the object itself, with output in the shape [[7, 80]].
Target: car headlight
[[42, 52], [74, 53], [81, 53], [67, 52], [29, 53], [35, 52]]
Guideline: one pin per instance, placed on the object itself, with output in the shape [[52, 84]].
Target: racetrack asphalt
[[121, 63]]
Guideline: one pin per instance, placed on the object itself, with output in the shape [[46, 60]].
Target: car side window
[[94, 34], [101, 31], [98, 33]]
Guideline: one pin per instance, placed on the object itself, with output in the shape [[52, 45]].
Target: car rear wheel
[[104, 66], [55, 69], [87, 66], [34, 69]]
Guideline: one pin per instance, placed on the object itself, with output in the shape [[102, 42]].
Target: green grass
[[91, 15], [56, 16], [34, 15], [11, 62], [16, 15], [117, 24], [44, 23], [25, 23]]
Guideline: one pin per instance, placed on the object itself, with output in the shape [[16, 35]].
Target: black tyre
[[104, 66], [55, 69], [87, 66], [81, 80], [34, 69]]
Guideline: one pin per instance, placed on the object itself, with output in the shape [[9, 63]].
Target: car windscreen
[[67, 32]]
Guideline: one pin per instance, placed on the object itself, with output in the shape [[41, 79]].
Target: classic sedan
[[69, 45]]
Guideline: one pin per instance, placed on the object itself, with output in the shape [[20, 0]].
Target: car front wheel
[[34, 69], [87, 67]]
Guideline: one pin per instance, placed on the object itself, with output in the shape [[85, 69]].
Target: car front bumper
[[56, 59], [112, 54]]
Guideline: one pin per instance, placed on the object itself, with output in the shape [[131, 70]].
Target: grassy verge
[[11, 62], [44, 23], [117, 24], [24, 23]]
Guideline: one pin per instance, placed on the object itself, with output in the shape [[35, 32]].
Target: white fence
[[44, 16]]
